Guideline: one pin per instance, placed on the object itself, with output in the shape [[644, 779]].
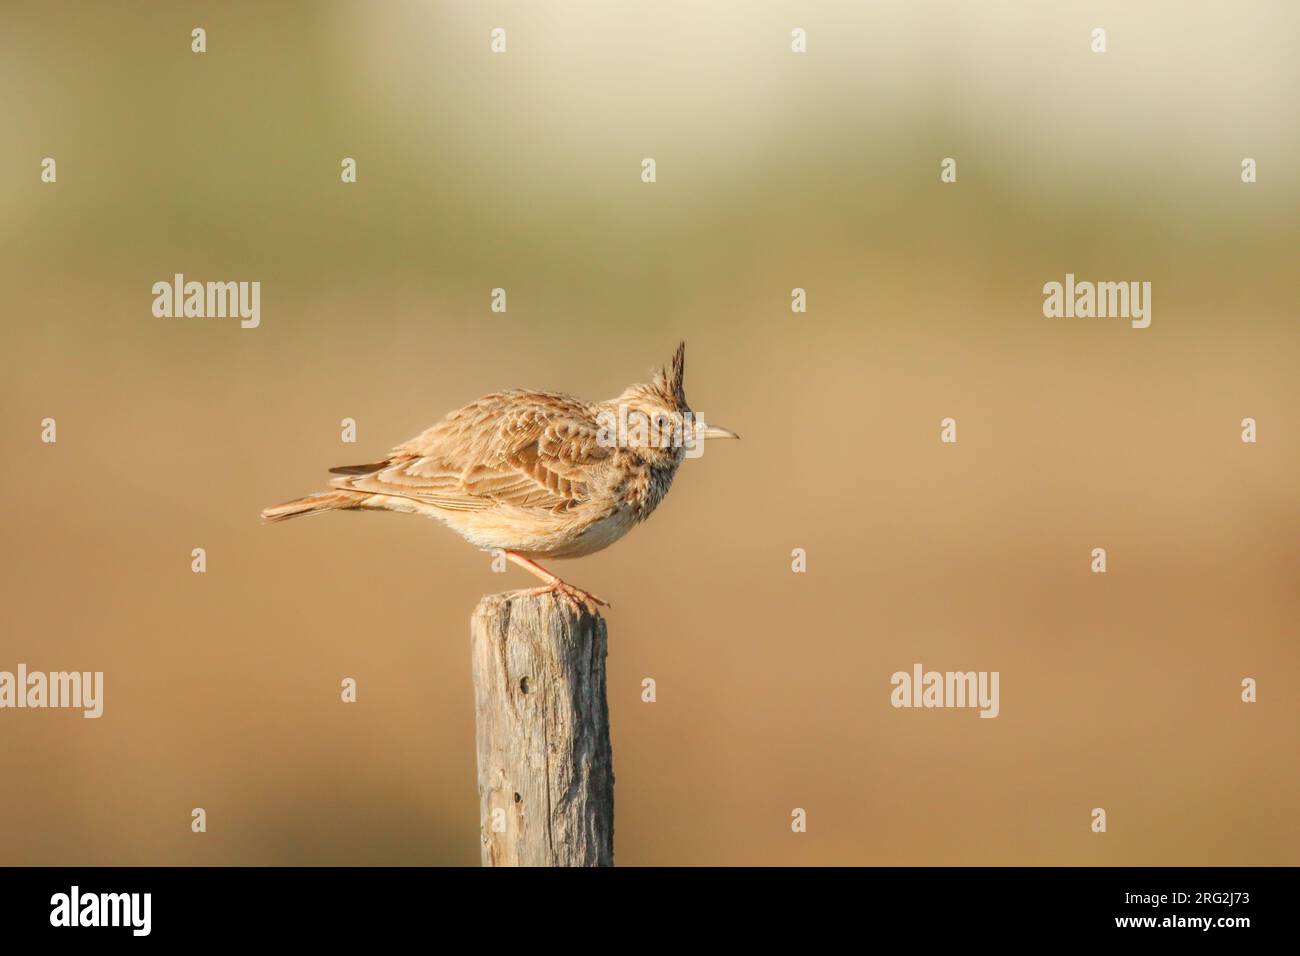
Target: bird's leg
[[553, 583]]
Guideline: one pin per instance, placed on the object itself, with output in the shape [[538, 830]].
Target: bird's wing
[[527, 449]]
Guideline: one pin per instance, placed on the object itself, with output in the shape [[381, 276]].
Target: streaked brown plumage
[[529, 473]]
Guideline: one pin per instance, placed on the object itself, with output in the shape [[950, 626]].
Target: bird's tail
[[314, 505]]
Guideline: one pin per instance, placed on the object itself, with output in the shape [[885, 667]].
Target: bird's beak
[[713, 431]]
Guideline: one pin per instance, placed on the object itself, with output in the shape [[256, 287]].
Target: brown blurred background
[[775, 170]]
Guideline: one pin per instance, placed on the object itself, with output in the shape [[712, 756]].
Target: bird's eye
[[664, 426]]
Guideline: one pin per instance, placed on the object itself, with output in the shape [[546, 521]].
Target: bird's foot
[[554, 585], [568, 592]]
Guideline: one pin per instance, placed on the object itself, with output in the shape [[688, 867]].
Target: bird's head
[[656, 420]]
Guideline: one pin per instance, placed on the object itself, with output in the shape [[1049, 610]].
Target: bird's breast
[[596, 536]]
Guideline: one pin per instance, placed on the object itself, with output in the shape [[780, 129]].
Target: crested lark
[[534, 474]]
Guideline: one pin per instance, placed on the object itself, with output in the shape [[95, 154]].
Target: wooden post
[[545, 768]]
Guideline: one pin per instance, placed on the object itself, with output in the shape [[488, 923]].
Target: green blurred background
[[775, 170]]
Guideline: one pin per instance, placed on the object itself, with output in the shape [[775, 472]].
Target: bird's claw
[[583, 599]]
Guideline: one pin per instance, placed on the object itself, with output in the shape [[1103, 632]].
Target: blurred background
[[775, 171]]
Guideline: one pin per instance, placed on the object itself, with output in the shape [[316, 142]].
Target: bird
[[533, 475]]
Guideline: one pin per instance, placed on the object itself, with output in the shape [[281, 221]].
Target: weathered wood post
[[545, 768]]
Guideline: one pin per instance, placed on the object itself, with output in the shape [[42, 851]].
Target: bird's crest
[[670, 381]]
